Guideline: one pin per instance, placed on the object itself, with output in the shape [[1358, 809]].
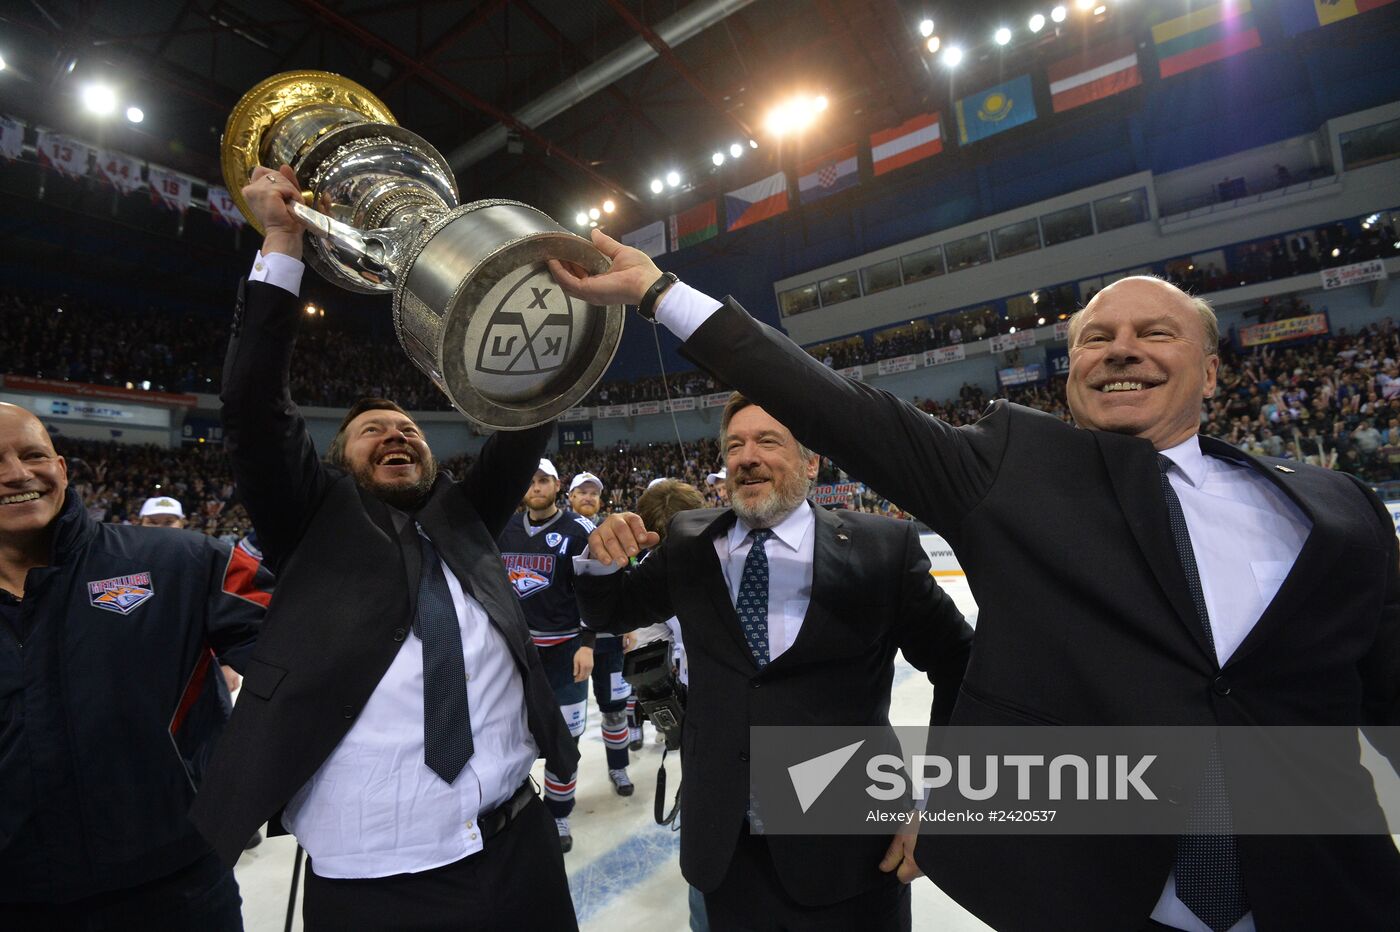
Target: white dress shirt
[[1245, 535], [373, 808]]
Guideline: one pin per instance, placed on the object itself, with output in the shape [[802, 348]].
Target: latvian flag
[[1206, 35], [902, 145], [823, 176], [1094, 74], [758, 201]]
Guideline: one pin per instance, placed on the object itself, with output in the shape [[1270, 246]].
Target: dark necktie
[[447, 725], [1207, 861], [752, 604]]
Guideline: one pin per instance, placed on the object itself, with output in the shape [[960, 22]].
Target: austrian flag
[[916, 138]]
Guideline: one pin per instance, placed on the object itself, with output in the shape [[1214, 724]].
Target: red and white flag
[[765, 198], [120, 171], [914, 139], [171, 190], [1095, 73], [825, 175], [223, 209], [11, 138], [64, 155]]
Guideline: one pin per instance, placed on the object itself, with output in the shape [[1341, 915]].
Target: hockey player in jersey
[[538, 548]]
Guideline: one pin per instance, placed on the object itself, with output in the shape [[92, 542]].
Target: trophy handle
[[372, 255]]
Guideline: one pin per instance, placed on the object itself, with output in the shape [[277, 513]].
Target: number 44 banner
[[120, 171], [171, 190]]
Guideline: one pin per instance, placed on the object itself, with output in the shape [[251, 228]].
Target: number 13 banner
[[65, 156], [170, 190]]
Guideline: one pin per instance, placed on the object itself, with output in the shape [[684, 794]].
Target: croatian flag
[[827, 174], [758, 201], [914, 139]]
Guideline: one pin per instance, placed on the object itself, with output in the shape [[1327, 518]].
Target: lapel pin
[[841, 535], [1284, 469]]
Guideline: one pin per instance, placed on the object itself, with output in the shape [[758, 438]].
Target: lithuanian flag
[[1206, 35]]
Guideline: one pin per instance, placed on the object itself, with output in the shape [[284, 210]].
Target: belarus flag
[[1094, 74], [758, 201], [902, 145], [835, 171]]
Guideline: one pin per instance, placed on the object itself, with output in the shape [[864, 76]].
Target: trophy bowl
[[474, 305]]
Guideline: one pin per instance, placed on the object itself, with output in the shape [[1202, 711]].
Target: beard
[[780, 501], [403, 496]]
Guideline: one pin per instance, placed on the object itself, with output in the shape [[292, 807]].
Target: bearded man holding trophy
[[394, 705]]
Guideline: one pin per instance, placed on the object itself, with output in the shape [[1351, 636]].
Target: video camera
[[659, 694]]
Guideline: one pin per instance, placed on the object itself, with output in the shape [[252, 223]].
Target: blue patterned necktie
[[1207, 864], [447, 725], [752, 604]]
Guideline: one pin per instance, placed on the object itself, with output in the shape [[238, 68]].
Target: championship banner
[[1280, 331], [995, 110], [853, 372], [120, 171], [1003, 342], [171, 190], [646, 407], [650, 239], [1206, 34], [11, 138], [576, 414], [1372, 270], [897, 364], [944, 355], [681, 404], [838, 493], [222, 208], [714, 400], [66, 156], [612, 411]]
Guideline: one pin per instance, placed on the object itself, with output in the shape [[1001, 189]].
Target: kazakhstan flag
[[995, 109]]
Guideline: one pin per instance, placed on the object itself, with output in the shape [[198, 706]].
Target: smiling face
[[33, 478], [388, 456], [768, 473], [1139, 364]]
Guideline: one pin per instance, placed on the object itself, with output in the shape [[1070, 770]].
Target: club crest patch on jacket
[[121, 594], [529, 572]]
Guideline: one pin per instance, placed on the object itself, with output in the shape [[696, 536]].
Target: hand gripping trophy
[[475, 307]]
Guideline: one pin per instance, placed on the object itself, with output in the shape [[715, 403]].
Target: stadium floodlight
[[1037, 23], [594, 213], [1100, 10], [609, 206], [2, 62], [1082, 5], [593, 224], [718, 159], [1002, 36], [926, 28], [736, 150], [657, 186], [581, 218], [952, 57], [933, 43], [821, 103], [1011, 330], [1041, 322], [1058, 14], [100, 99], [135, 114], [753, 143], [673, 178]]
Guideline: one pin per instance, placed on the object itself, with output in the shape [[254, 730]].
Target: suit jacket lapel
[[710, 576], [1132, 467], [831, 555]]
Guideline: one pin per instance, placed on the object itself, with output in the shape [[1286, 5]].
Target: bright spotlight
[[753, 143], [933, 43], [581, 218], [1082, 5], [135, 114], [609, 206], [926, 28], [673, 179], [1037, 23], [952, 57], [1100, 10], [736, 150], [100, 99], [594, 213], [656, 186], [1002, 36], [592, 224], [821, 103], [2, 62], [717, 158], [1058, 14], [311, 310]]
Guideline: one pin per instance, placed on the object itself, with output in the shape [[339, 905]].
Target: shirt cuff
[[585, 566], [278, 269], [683, 309]]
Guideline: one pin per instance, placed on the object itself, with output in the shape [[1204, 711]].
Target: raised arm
[[498, 478], [614, 597]]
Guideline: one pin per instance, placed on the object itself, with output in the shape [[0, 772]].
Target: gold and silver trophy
[[475, 307]]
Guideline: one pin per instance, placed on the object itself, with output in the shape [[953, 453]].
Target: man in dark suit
[[791, 615], [1126, 572], [391, 714]]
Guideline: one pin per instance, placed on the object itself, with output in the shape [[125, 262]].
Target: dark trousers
[[202, 897], [751, 898], [515, 882]]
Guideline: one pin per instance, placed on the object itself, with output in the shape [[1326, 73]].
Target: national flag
[[223, 208], [1302, 15], [64, 155], [1205, 35], [695, 225], [765, 198], [11, 138], [1095, 73], [650, 239], [916, 138], [995, 110], [827, 174], [170, 190], [120, 171]]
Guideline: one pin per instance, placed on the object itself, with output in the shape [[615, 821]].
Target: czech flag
[[758, 201]]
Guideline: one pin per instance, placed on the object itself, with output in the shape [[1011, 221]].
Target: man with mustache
[[1127, 572], [791, 615], [391, 716], [110, 704]]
